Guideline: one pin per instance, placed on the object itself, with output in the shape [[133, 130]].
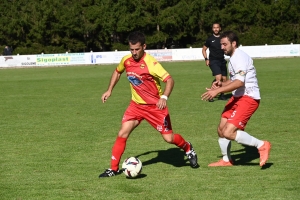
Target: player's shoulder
[[210, 38], [240, 56], [126, 57], [149, 58], [241, 53], [151, 62]]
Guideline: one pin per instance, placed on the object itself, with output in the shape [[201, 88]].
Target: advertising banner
[[18, 61], [280, 50], [252, 51], [161, 54], [113, 57], [60, 59], [105, 57], [188, 54]]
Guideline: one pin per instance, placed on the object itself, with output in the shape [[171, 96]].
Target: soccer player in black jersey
[[216, 60]]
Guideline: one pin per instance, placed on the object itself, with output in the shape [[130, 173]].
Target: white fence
[[92, 58]]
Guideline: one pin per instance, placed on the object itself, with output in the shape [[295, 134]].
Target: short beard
[[229, 53]]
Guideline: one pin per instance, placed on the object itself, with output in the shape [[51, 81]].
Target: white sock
[[243, 137], [225, 146]]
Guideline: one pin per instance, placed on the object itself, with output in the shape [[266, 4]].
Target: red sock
[[181, 143], [117, 151]]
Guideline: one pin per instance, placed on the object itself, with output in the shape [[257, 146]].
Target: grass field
[[56, 136]]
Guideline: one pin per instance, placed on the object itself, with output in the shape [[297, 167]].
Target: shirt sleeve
[[121, 66], [240, 67], [207, 43], [158, 71]]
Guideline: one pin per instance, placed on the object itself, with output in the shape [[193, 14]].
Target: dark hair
[[232, 37], [216, 23], [136, 37]]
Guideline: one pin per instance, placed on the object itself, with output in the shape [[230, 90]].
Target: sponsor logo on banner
[[10, 61], [294, 51], [28, 63], [60, 59], [95, 57], [161, 54], [8, 57]]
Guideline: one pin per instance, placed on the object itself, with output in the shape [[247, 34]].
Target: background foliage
[[53, 26]]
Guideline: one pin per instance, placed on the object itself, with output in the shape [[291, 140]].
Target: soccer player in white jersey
[[245, 100]]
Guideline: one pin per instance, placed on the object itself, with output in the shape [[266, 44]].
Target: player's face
[[227, 46], [137, 50], [216, 29]]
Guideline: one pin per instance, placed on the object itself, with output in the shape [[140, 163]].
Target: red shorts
[[239, 110], [159, 119]]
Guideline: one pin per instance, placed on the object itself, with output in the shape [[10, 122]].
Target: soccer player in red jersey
[[241, 106], [148, 101]]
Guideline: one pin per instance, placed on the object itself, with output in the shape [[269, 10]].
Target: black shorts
[[218, 67]]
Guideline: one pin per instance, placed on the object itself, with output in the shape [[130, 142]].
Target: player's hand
[[161, 104], [105, 96], [216, 84], [207, 62], [210, 94]]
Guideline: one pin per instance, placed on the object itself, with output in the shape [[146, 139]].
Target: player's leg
[[224, 143], [160, 120], [120, 143], [130, 121], [225, 146], [224, 73], [179, 141], [119, 148], [224, 78], [214, 66], [234, 128], [222, 95], [224, 70]]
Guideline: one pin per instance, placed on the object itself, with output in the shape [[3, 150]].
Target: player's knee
[[220, 133], [168, 138], [123, 134], [228, 134]]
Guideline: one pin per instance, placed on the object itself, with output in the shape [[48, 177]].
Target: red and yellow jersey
[[144, 77]]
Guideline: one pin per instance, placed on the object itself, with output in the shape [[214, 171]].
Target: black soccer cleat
[[222, 97], [109, 173], [192, 156]]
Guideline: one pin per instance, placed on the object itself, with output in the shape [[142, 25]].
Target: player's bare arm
[[162, 102], [227, 86], [204, 48], [113, 81]]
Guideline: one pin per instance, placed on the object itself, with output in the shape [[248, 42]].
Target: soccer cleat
[[222, 97], [264, 152], [109, 173], [221, 163], [210, 100], [192, 156]]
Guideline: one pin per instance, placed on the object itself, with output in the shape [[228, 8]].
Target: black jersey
[[214, 45]]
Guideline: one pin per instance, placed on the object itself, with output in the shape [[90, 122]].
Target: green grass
[[56, 136]]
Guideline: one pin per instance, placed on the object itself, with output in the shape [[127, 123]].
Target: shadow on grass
[[227, 97], [246, 155], [137, 177], [172, 156]]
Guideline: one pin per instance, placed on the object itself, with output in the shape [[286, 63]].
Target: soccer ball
[[132, 167]]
